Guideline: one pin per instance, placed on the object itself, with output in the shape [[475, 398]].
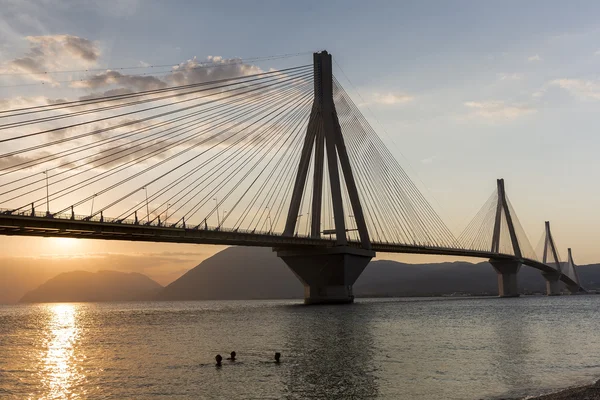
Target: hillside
[[256, 273], [81, 286]]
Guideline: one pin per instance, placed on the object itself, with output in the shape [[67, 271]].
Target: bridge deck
[[42, 226]]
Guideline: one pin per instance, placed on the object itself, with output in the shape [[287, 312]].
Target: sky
[[462, 93]]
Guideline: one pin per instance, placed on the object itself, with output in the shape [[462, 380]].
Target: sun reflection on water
[[60, 372]]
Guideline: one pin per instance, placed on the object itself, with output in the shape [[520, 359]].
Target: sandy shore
[[590, 392]]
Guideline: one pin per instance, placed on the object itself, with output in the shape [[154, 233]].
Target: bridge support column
[[328, 273], [507, 277], [552, 283]]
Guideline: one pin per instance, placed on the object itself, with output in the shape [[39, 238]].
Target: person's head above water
[[232, 356], [277, 356], [218, 359]]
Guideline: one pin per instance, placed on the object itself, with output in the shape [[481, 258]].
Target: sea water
[[438, 348]]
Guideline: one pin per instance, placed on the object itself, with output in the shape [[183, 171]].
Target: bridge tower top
[[324, 137], [550, 250], [502, 209]]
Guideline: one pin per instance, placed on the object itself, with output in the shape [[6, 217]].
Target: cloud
[[534, 58], [52, 53], [390, 98], [597, 53], [428, 160], [109, 78], [515, 76], [498, 110], [579, 87], [188, 72]]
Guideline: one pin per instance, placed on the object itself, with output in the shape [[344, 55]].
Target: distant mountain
[[257, 273], [94, 286]]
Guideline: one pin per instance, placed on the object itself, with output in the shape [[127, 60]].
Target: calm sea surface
[[388, 349]]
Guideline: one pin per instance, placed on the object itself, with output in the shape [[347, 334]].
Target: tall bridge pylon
[[506, 269], [551, 257], [327, 273], [571, 271]]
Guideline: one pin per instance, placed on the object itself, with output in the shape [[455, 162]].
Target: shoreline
[[586, 392]]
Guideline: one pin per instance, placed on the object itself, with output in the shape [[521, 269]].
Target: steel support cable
[[288, 178], [53, 156], [149, 168], [279, 203], [279, 149], [124, 105], [195, 169], [180, 165], [308, 227], [286, 189], [474, 223], [155, 72], [144, 157], [480, 229], [394, 163], [86, 111], [117, 97], [183, 129], [418, 225], [88, 146], [477, 220], [246, 148], [366, 191], [385, 151], [284, 177], [171, 104], [277, 117], [363, 151], [277, 180], [401, 194], [213, 92], [286, 160], [483, 237], [202, 65], [230, 145], [309, 204], [486, 233], [524, 242]]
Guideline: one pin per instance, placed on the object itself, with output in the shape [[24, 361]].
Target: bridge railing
[[155, 224]]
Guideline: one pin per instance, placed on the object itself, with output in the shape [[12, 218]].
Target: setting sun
[[64, 244]]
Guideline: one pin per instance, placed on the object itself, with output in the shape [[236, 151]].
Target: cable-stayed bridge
[[279, 158]]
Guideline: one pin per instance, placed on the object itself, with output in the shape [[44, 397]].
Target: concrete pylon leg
[[574, 289], [329, 273], [552, 283], [507, 277]]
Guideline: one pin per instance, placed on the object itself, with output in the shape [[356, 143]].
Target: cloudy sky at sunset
[[461, 93]]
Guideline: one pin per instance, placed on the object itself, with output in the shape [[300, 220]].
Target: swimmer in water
[[218, 359], [232, 358], [277, 357]]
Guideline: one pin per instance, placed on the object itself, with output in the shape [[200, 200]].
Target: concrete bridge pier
[[552, 283], [507, 277], [574, 289], [328, 273]]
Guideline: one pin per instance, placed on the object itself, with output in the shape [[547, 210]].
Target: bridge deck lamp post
[[92, 210], [167, 213], [47, 195], [269, 219], [147, 208], [217, 206]]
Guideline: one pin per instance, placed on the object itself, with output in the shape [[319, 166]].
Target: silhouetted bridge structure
[[280, 159]]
